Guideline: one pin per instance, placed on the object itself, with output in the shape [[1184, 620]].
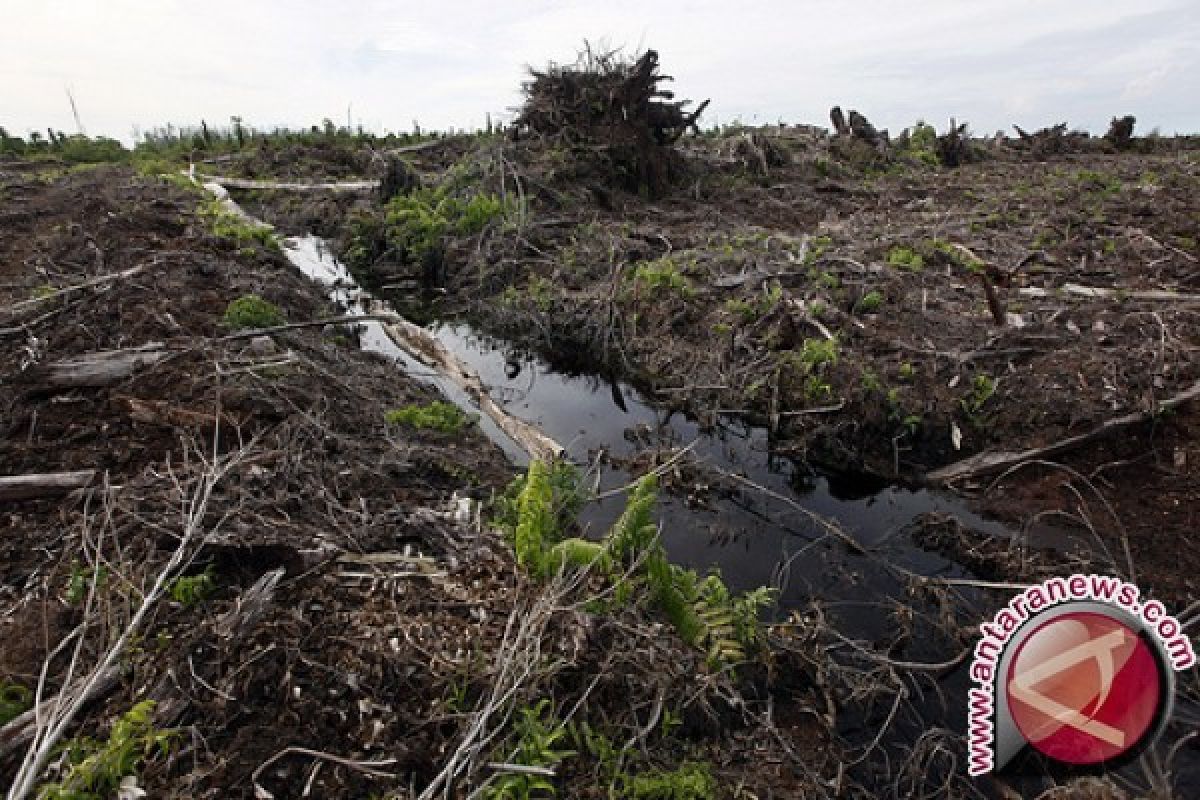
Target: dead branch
[[993, 461], [250, 607], [50, 484], [20, 729], [50, 728], [94, 370], [98, 281], [1096, 291], [284, 186], [366, 767], [346, 319]]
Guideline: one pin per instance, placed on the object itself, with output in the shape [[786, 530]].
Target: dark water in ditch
[[745, 533]]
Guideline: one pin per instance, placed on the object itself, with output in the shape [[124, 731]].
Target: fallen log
[[49, 484], [424, 347], [94, 370], [1097, 291], [995, 461], [288, 186]]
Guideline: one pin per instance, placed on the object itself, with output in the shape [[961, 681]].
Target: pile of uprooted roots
[[611, 114]]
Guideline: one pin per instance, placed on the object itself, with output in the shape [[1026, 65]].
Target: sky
[[133, 65]]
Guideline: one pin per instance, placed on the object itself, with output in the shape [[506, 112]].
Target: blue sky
[[135, 65]]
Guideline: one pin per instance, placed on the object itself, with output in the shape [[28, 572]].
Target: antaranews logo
[[1080, 669]]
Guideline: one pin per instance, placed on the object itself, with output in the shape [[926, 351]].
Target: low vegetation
[[228, 225], [95, 769], [630, 558], [436, 416], [251, 312]]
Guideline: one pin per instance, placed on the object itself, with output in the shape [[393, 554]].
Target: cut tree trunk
[[101, 368], [287, 186], [50, 484], [428, 350]]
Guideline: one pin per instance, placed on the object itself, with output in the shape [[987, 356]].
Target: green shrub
[[79, 149], [662, 274], [982, 389], [869, 303], [418, 223], [922, 144], [536, 526], [703, 612], [251, 312], [817, 353], [94, 769], [191, 590], [567, 498], [435, 416], [905, 258]]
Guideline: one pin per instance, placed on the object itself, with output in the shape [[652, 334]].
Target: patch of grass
[[541, 292], [818, 353], [905, 258], [692, 780], [817, 248], [828, 281], [869, 303], [192, 590], [251, 312], [662, 275], [750, 310], [94, 769], [906, 371], [436, 416], [228, 225], [14, 701], [957, 256], [1098, 181]]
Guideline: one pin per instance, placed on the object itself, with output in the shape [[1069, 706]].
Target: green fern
[[538, 734], [578, 553], [635, 530], [95, 769], [535, 520]]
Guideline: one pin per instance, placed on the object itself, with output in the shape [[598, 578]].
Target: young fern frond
[[635, 531], [535, 522]]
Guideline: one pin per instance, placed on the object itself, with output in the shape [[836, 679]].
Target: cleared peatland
[[333, 623]]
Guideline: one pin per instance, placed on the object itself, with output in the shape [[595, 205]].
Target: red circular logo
[[1084, 688]]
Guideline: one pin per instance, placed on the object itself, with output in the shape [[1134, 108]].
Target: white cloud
[[992, 61]]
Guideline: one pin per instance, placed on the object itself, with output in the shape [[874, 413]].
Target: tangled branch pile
[[611, 114]]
